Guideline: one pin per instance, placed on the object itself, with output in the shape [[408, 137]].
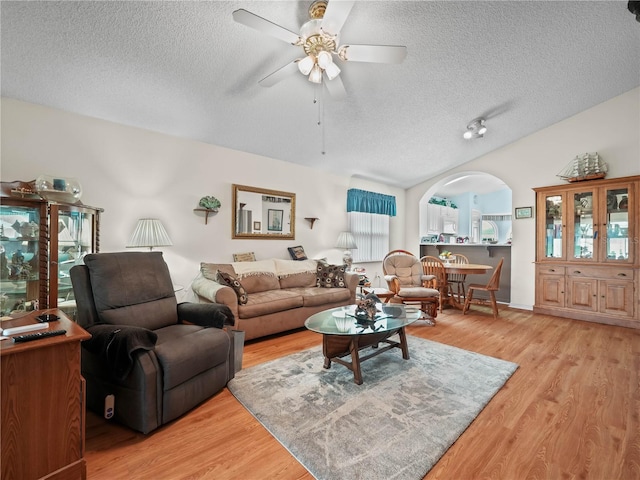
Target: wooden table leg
[[355, 361], [403, 343], [327, 362]]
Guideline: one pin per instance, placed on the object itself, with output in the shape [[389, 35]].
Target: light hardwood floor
[[571, 410]]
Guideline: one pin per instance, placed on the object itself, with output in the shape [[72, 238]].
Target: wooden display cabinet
[[587, 251], [40, 241]]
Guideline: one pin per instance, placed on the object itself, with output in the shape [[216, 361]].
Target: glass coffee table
[[343, 334]]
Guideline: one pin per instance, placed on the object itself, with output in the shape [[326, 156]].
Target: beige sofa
[[280, 294]]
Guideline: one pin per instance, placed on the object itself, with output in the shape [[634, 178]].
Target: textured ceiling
[[187, 69]]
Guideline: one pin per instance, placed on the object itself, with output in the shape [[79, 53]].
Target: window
[[368, 214], [371, 233], [489, 231]]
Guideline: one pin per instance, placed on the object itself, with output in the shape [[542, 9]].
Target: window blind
[[371, 233]]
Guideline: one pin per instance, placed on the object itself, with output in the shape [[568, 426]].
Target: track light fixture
[[475, 129]]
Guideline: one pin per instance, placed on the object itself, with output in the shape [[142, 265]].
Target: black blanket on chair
[[117, 344]]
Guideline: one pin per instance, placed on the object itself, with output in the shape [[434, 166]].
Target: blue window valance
[[370, 202]]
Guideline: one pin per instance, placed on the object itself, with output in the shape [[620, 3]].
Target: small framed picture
[[244, 257], [297, 253], [274, 220], [524, 212], [257, 226]]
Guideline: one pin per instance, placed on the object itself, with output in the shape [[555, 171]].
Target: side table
[[42, 391]]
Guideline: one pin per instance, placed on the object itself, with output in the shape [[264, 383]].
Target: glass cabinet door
[[553, 226], [616, 222], [584, 234], [76, 238], [19, 258]]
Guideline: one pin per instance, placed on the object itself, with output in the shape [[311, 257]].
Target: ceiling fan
[[320, 39]]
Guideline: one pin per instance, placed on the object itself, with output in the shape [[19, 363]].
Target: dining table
[[463, 269]]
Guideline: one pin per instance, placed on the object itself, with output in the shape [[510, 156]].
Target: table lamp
[[347, 243], [150, 233]]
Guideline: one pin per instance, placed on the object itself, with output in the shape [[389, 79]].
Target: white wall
[[612, 129], [134, 173]]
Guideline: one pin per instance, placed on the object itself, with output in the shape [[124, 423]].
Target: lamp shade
[[346, 241], [150, 233]]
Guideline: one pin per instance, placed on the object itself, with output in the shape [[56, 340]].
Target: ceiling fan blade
[[280, 74], [335, 87], [373, 53], [335, 15], [263, 25]]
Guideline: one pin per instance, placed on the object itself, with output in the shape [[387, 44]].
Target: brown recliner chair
[[157, 357]]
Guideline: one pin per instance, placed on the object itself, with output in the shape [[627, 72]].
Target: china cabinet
[[40, 240], [587, 251]]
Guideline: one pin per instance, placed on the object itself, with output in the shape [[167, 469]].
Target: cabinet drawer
[[617, 273], [551, 270]]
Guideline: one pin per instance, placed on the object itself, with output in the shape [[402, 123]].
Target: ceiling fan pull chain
[[319, 99]]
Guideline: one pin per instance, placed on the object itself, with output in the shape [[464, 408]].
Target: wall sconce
[[149, 232]]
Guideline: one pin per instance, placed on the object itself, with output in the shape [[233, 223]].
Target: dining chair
[[434, 268], [458, 279], [492, 287], [406, 280]]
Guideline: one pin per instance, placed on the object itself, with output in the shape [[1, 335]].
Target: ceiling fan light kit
[[475, 129], [319, 38]]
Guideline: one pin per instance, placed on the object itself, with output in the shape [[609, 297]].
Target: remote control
[[25, 328], [36, 336], [109, 406]]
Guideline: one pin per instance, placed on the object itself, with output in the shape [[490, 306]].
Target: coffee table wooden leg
[[403, 344], [355, 361], [326, 351]]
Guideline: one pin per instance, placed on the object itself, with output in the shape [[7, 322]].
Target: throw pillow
[[330, 276], [231, 281]]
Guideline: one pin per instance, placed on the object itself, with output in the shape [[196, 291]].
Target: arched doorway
[[470, 214], [456, 206]]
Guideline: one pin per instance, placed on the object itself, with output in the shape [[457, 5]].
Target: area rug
[[397, 424]]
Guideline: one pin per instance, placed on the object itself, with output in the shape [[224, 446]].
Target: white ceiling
[[187, 69]]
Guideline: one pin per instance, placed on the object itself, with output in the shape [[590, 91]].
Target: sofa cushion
[[231, 281], [296, 273], [210, 270], [257, 276], [272, 301], [315, 296], [330, 276], [260, 282]]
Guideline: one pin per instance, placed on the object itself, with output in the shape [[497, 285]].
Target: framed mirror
[[262, 213]]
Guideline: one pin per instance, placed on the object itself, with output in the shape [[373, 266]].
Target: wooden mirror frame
[[269, 218]]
